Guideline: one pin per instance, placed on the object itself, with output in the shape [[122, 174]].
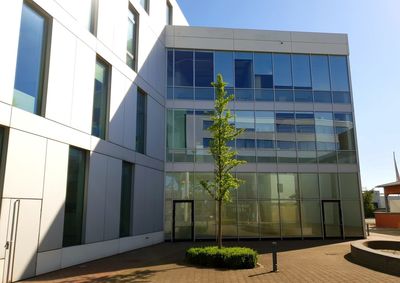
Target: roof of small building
[[397, 183]]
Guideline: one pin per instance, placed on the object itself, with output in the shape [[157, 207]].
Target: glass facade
[[318, 142], [131, 44], [269, 136], [145, 4], [100, 99], [270, 205], [75, 198], [126, 200], [305, 78], [31, 61]]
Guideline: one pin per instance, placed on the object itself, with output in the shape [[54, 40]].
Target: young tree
[[369, 207], [222, 132]]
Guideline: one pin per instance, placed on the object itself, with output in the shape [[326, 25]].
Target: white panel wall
[[117, 111], [25, 165], [54, 192], [4, 222], [61, 75], [10, 18], [82, 100], [96, 198], [155, 134], [130, 117], [113, 197]]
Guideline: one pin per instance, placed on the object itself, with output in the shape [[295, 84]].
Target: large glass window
[[344, 131], [179, 185], [320, 72], [244, 70], [246, 143], [170, 68], [204, 219], [199, 192], [282, 71], [183, 68], [311, 218], [301, 71], [290, 218], [126, 200], [248, 219], [265, 129], [349, 188], [131, 46], [204, 68], [267, 184], [308, 184], [224, 66], [328, 185], [141, 120], [100, 99], [269, 219], [247, 190], [145, 4], [287, 186], [31, 61], [75, 198], [339, 73], [325, 136], [263, 70], [94, 8], [352, 220]]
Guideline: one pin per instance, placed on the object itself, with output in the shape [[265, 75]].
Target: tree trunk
[[220, 224]]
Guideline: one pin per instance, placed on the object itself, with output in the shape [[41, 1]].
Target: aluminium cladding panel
[[61, 75], [148, 200], [155, 145], [54, 192], [103, 198], [25, 169], [10, 18], [256, 40], [122, 119]]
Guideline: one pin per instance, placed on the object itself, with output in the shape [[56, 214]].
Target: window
[[170, 68], [29, 84], [301, 71], [126, 200], [183, 68], [224, 66], [244, 70], [146, 5], [339, 73], [204, 69], [75, 198], [141, 114], [282, 71], [170, 13], [344, 131], [320, 72], [100, 99], [263, 70], [2, 158], [131, 45]]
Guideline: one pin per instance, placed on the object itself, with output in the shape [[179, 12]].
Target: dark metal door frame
[[173, 219], [340, 218]]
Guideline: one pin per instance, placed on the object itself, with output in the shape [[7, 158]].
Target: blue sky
[[373, 27]]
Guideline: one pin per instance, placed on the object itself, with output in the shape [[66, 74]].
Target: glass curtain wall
[[269, 136], [278, 77], [268, 205]]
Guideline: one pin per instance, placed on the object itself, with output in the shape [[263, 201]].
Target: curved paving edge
[[364, 255]]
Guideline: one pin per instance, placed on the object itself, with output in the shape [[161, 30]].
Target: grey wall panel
[[113, 199], [155, 129], [96, 198], [148, 200]]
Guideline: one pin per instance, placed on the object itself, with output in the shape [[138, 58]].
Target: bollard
[[274, 257], [368, 229]]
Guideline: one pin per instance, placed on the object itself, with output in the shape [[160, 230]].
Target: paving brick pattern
[[298, 261]]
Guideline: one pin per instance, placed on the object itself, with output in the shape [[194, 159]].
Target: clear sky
[[373, 27]]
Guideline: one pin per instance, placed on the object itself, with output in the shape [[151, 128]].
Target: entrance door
[[19, 239], [183, 220], [332, 219]]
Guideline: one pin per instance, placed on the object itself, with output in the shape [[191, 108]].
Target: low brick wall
[[387, 219], [367, 253]]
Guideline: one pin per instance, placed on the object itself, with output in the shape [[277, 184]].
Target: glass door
[[183, 220], [332, 219]]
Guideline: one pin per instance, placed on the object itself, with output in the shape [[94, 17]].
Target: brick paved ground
[[299, 261]]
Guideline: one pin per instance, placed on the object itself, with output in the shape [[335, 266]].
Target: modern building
[[104, 110]]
